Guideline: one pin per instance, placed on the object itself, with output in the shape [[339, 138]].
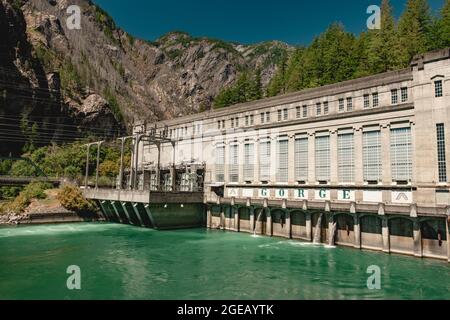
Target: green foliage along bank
[[72, 199], [35, 190]]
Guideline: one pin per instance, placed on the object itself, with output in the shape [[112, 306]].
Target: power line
[[45, 130], [54, 135], [93, 129]]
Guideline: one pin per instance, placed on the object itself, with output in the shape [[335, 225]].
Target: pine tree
[[384, 48], [444, 25], [414, 27], [296, 71], [333, 56], [255, 87], [223, 99]]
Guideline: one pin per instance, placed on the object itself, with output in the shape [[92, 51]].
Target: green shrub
[[35, 190], [72, 199], [106, 182], [9, 192]]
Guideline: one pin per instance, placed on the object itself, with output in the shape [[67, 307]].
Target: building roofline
[[380, 79]]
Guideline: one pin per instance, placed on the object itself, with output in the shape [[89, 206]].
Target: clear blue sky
[[243, 21]]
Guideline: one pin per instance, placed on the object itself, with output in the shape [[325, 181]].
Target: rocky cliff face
[[102, 77]]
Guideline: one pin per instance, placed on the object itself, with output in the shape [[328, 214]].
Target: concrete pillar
[[385, 234], [417, 234], [312, 158], [126, 212], [288, 225], [273, 159], [136, 212], [334, 176], [359, 163], [252, 218], [241, 144], [269, 224], [222, 218], [386, 153], [226, 169], [330, 227], [308, 226], [256, 173], [357, 231], [208, 217], [113, 204], [291, 160], [236, 219]]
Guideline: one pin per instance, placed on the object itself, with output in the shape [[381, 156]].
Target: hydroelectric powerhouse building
[[362, 163]]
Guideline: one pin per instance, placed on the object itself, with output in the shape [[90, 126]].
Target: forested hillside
[[337, 55]]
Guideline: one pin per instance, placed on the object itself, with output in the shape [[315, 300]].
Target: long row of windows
[[321, 108], [400, 150]]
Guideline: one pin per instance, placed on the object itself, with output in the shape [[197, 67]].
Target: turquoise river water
[[125, 262]]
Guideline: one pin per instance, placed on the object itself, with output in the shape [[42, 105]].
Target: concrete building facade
[[363, 163]]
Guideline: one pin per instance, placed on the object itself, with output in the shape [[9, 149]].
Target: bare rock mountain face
[[101, 77]]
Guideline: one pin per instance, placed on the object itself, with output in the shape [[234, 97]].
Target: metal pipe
[[133, 139], [99, 144], [174, 173], [158, 169], [121, 162], [87, 167], [136, 160]]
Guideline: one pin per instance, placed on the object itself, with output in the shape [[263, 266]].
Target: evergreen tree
[[278, 83], [444, 25], [223, 99], [296, 71], [333, 56], [384, 48], [414, 28], [362, 48], [255, 90]]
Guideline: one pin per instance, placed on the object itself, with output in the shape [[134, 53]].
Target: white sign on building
[[346, 195], [247, 193], [233, 192], [301, 194], [322, 194], [282, 193], [402, 197], [264, 193], [373, 196]]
